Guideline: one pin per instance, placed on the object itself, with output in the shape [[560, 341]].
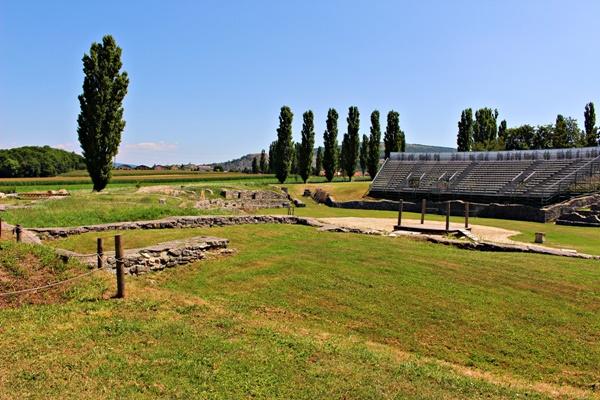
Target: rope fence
[[99, 255], [48, 286]]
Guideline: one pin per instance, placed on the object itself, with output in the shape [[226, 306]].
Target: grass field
[[123, 203], [79, 180], [297, 313]]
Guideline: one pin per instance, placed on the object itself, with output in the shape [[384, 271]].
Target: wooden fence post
[[120, 269], [400, 207], [100, 251], [467, 215], [18, 231], [448, 217], [423, 209]]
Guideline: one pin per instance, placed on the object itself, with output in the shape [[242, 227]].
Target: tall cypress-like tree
[[560, 138], [464, 139], [319, 162], [100, 122], [283, 148], [364, 154], [294, 165], [272, 156], [485, 133], [351, 139], [341, 155], [306, 145], [502, 131], [330, 145], [592, 138], [374, 142], [255, 165], [263, 162], [393, 139]]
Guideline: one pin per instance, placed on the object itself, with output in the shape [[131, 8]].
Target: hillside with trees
[[36, 161]]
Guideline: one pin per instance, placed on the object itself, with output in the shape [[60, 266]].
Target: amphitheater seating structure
[[536, 177]]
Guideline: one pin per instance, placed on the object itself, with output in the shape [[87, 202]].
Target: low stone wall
[[157, 257], [168, 254], [554, 211], [580, 218], [174, 222], [241, 204]]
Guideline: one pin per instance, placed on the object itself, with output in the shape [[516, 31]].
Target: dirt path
[[487, 233]]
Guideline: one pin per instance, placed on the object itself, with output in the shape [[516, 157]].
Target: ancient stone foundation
[[174, 222], [168, 254]]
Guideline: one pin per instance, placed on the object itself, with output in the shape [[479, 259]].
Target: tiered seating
[[565, 175], [506, 179], [435, 175], [544, 171], [488, 177]]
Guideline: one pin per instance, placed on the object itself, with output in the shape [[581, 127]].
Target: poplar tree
[[263, 162], [330, 145], [502, 131], [485, 131], [306, 145], [272, 156], [319, 162], [364, 154], [393, 139], [591, 132], [374, 142], [560, 138], [294, 163], [100, 121], [283, 148], [352, 142], [464, 139]]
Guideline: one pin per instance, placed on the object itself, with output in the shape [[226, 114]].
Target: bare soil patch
[[487, 233]]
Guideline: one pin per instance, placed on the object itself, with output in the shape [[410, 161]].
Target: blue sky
[[207, 79]]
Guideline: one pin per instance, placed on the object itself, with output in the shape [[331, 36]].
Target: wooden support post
[[400, 207], [18, 231], [466, 215], [448, 217], [100, 251], [120, 268], [423, 210]]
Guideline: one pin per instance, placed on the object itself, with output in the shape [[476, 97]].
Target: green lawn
[[124, 204], [114, 205], [582, 239], [297, 313]]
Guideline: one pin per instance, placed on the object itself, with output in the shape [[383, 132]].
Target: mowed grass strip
[[305, 314]]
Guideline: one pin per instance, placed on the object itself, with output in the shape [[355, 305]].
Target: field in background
[[297, 313], [79, 180]]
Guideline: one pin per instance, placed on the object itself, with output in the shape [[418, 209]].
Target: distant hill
[[424, 148], [239, 164]]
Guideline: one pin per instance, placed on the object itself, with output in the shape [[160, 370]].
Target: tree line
[[286, 157], [36, 161], [484, 133]]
